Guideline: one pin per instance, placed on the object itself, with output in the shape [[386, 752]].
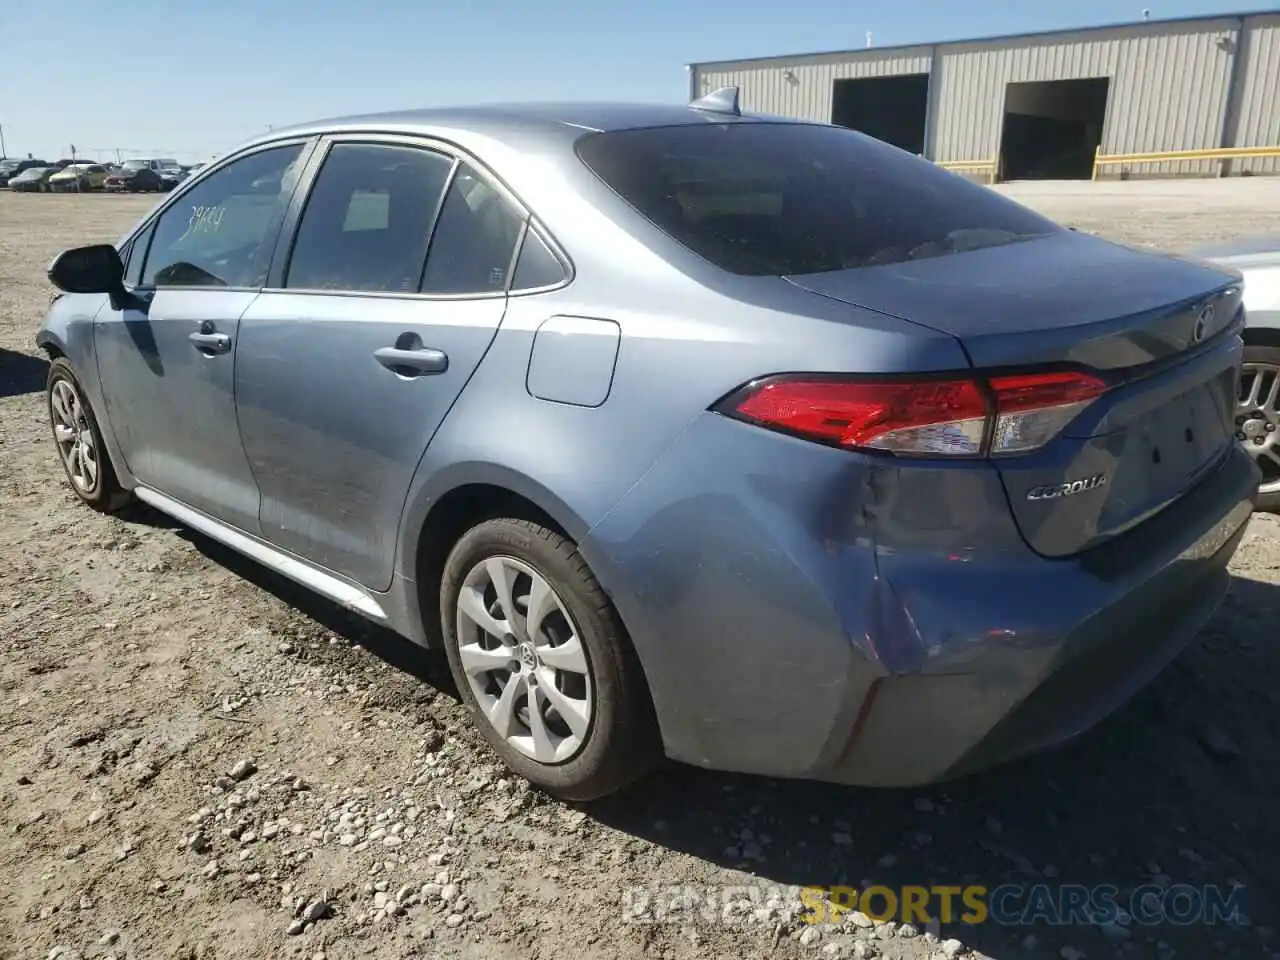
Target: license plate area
[[1166, 451]]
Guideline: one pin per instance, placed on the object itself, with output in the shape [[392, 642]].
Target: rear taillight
[[934, 417], [1032, 408]]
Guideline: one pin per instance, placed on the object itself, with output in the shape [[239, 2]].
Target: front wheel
[[543, 662], [1258, 418], [79, 441]]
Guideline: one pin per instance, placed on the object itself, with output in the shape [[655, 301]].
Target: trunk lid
[[1162, 331], [1066, 297]]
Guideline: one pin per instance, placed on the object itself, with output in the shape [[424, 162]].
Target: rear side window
[[368, 219], [475, 239], [788, 199], [537, 267]]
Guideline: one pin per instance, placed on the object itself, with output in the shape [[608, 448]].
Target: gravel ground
[[201, 761]]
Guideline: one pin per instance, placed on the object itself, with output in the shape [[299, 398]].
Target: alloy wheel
[[1258, 420], [524, 660], [74, 436]]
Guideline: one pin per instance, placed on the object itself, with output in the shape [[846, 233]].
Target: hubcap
[[524, 660], [73, 435], [1258, 420]]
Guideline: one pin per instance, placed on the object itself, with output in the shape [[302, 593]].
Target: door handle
[[210, 342], [412, 363]]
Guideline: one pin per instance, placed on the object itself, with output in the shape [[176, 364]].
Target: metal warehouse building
[[1047, 105]]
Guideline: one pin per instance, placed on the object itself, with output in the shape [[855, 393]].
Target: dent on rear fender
[[843, 538], [767, 582]]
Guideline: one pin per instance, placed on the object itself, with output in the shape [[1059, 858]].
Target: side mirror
[[95, 269]]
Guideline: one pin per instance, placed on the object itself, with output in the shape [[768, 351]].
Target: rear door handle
[[210, 342], [412, 363]]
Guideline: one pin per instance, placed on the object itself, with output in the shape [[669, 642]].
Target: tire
[[102, 491], [1262, 365], [620, 742]]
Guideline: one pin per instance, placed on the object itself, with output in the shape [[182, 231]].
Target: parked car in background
[[65, 162], [756, 441], [33, 180], [1258, 401], [78, 178], [11, 168], [195, 168], [135, 176], [170, 177]]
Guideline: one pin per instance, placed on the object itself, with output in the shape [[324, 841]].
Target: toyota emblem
[[1203, 322]]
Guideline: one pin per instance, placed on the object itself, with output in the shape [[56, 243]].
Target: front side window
[[368, 219], [779, 199], [134, 254], [221, 232], [474, 240]]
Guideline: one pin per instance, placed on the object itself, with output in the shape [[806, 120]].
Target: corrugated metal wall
[[1257, 121], [766, 85], [1170, 87]]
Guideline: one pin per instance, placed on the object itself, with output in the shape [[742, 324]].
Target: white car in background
[[1258, 403]]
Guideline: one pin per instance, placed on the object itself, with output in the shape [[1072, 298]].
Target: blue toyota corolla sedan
[[756, 443]]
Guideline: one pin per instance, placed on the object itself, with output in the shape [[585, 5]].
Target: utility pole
[[3, 152]]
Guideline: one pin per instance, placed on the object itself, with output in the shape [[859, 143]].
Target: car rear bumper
[[1150, 606], [807, 612]]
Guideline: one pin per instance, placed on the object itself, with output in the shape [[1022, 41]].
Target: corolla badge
[[1052, 491]]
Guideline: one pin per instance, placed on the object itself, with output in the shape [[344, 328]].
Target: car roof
[[515, 121]]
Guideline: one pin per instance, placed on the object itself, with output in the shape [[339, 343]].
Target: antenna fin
[[724, 100]]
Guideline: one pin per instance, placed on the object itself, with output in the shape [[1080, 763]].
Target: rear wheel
[[543, 662], [79, 441], [1258, 418]]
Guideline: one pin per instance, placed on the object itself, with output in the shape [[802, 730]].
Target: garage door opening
[[891, 109], [1052, 128]]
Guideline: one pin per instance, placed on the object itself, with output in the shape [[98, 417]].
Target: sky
[[192, 79]]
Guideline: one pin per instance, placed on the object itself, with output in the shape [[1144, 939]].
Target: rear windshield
[[787, 199]]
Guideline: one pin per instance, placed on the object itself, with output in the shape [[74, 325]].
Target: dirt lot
[[141, 665]]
